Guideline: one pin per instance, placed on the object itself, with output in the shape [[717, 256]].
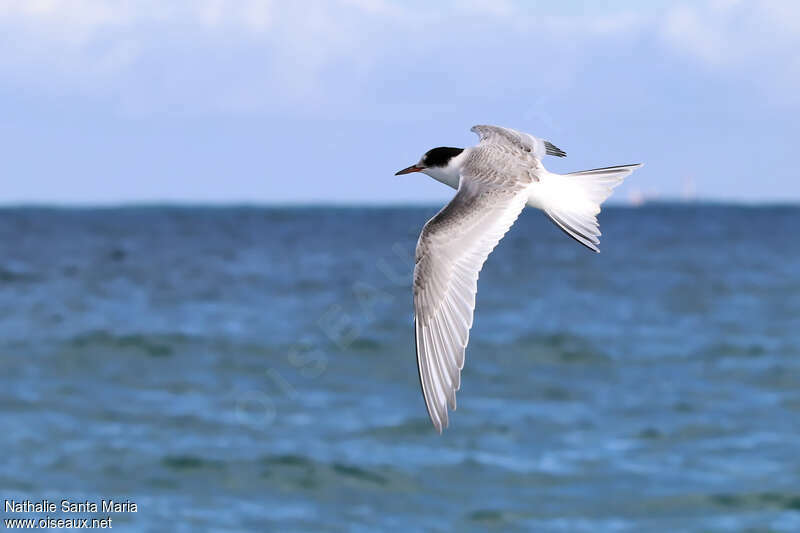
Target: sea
[[240, 369]]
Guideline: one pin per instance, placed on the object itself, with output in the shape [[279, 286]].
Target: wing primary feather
[[436, 375], [552, 149], [424, 377], [453, 326], [442, 362], [440, 358], [448, 362]]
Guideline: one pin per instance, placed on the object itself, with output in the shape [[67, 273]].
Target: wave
[[152, 345], [8, 276]]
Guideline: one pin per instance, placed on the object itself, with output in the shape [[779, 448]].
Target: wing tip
[[431, 413], [552, 149]]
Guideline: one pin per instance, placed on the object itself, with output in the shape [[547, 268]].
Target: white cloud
[[758, 37], [253, 54]]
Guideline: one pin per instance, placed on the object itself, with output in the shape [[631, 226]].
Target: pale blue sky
[[273, 102]]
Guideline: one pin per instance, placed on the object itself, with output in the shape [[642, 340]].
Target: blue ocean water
[[253, 369]]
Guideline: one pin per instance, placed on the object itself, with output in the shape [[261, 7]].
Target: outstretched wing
[[451, 251], [517, 140]]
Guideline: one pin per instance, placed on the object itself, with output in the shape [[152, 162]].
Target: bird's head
[[439, 163]]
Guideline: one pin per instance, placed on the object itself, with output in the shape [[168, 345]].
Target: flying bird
[[494, 180]]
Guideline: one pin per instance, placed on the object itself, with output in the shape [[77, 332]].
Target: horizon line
[[237, 204]]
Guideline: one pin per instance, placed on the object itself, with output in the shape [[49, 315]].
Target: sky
[[272, 102]]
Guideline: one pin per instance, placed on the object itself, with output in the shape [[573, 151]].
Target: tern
[[494, 180]]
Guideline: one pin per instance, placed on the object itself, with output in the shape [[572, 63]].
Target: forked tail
[[572, 201]]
